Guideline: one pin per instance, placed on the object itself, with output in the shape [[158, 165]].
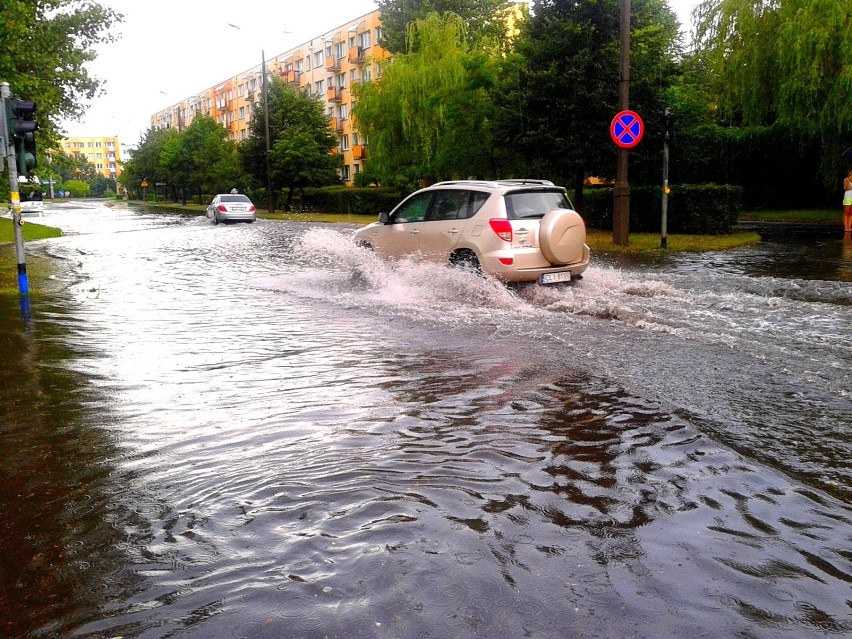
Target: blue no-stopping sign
[[627, 129]]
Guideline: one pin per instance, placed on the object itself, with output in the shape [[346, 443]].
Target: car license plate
[[553, 278], [238, 208]]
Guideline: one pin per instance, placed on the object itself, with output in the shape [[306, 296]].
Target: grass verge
[[807, 216], [31, 230], [650, 242], [38, 270]]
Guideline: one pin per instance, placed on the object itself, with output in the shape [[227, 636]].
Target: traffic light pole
[[15, 196], [667, 138]]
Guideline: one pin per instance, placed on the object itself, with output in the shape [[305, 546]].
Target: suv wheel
[[466, 259]]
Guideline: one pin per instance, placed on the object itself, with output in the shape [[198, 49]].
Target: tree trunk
[[579, 178]]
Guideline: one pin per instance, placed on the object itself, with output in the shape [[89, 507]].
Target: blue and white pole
[[15, 197]]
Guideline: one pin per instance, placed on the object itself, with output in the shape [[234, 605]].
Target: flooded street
[[261, 431]]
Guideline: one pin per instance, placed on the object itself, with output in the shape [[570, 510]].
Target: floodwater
[[260, 431]]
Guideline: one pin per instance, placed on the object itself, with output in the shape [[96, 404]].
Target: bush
[[77, 188], [695, 209], [342, 199]]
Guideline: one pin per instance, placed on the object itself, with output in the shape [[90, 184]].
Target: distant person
[[847, 204]]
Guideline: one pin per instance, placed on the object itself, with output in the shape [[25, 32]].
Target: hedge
[[699, 209], [346, 200]]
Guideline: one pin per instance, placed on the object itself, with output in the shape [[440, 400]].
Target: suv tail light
[[502, 227]]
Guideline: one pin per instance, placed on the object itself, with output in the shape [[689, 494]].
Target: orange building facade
[[328, 66], [102, 152]]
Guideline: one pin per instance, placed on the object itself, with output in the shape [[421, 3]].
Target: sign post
[[621, 192], [144, 186]]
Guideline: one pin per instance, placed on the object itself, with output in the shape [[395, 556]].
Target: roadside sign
[[144, 184], [627, 129]]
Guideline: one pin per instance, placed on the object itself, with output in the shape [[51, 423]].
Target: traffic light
[[22, 128]]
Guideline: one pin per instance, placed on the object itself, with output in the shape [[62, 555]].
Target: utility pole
[[621, 192], [15, 196], [271, 203]]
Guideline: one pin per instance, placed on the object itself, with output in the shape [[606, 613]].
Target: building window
[[318, 87], [343, 111], [364, 40], [341, 50], [242, 113], [346, 172], [300, 65], [318, 59], [378, 34], [341, 81], [344, 142]]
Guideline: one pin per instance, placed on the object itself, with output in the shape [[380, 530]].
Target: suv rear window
[[535, 204]]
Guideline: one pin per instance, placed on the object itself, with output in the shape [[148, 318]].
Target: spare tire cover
[[561, 236]]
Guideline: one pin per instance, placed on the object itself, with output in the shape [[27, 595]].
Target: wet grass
[[39, 271], [807, 216], [32, 231], [650, 242]]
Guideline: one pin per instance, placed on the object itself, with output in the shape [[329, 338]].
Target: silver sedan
[[231, 207]]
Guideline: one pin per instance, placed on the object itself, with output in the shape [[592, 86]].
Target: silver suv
[[515, 230]]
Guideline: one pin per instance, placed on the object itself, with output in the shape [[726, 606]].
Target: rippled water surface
[[262, 431]]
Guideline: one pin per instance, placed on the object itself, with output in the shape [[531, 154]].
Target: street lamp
[[264, 89]]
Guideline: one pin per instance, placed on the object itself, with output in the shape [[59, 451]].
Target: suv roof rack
[[496, 183]]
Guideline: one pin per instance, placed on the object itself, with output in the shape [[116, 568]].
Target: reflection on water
[[260, 431]]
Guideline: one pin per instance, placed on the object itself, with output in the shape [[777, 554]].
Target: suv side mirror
[[384, 218]]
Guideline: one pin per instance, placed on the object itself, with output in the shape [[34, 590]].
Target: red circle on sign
[[627, 129]]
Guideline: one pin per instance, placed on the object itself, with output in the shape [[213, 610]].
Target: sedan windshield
[[532, 204]]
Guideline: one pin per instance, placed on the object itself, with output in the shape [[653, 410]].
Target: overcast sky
[[171, 49]]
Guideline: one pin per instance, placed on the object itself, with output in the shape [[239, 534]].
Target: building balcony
[[356, 55], [334, 94], [291, 76], [336, 124], [359, 151], [332, 63]]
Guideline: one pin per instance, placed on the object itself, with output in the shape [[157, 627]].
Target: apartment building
[[104, 153], [328, 66]]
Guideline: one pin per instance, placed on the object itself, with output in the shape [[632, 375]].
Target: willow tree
[[427, 117], [782, 61], [484, 19]]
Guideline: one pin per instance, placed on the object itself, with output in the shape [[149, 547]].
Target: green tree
[[201, 159], [429, 115], [482, 18], [559, 95], [71, 167], [782, 61], [45, 47], [301, 142], [147, 161]]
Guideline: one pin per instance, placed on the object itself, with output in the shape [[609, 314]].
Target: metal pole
[[665, 220], [621, 192], [271, 205], [15, 196]]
